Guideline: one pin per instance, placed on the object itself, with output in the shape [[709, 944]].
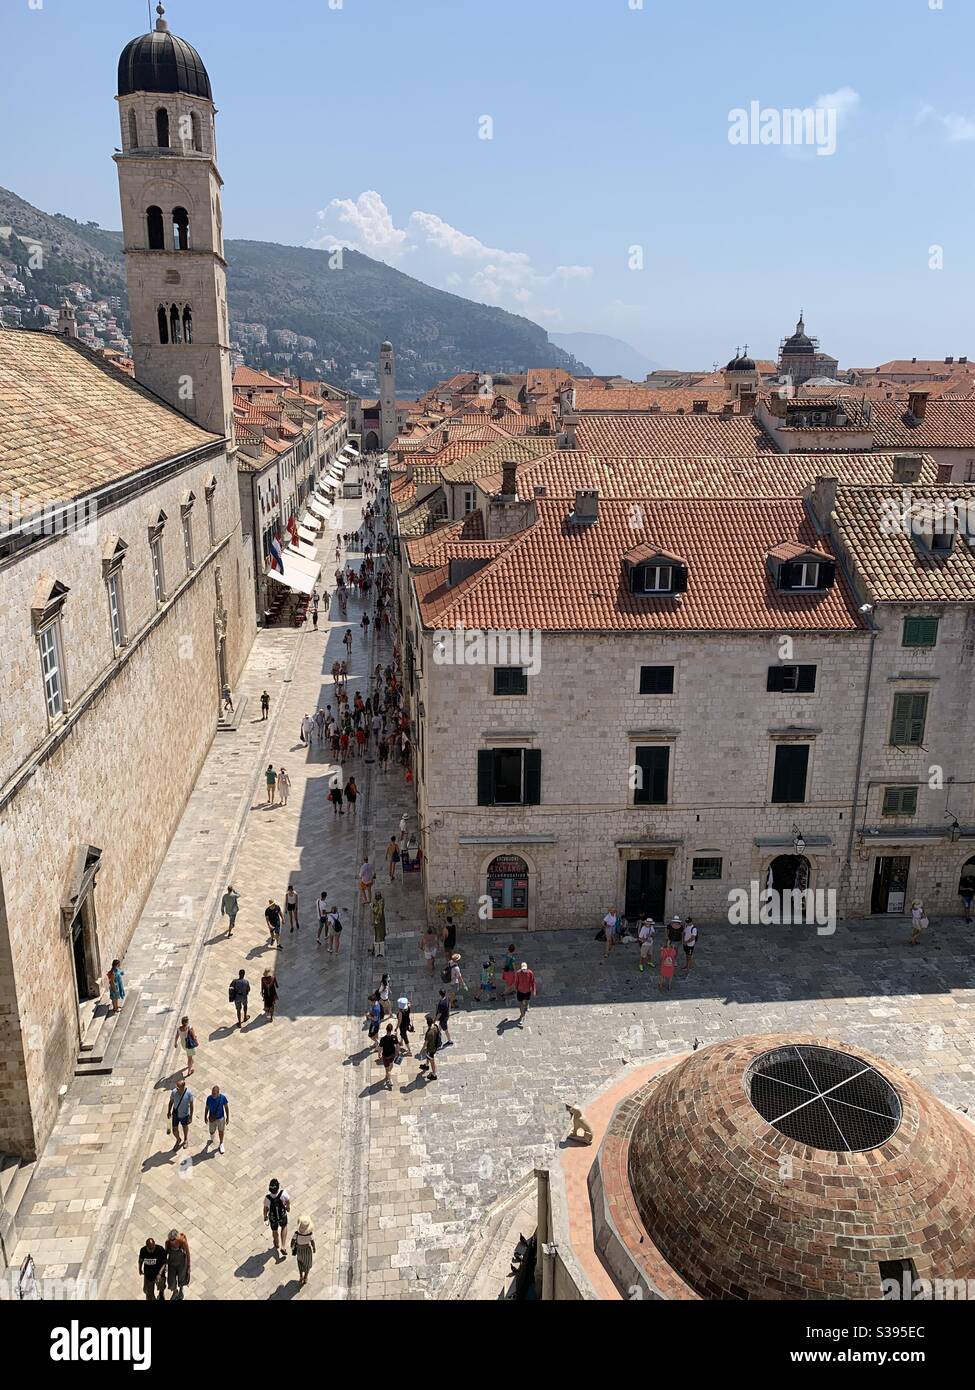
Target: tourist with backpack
[[432, 1043], [238, 993], [187, 1039], [277, 1204]]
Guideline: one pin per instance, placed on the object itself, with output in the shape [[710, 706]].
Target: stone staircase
[[229, 721], [15, 1176], [105, 1037]]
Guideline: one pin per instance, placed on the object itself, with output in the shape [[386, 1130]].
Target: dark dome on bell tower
[[161, 62]]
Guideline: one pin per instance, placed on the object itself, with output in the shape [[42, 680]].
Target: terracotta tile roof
[[619, 399], [947, 424], [558, 577], [926, 366], [247, 378], [488, 460], [685, 436], [563, 472], [895, 565], [72, 422], [454, 539], [419, 519]]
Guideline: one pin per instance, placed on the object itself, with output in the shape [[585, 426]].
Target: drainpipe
[[863, 730]]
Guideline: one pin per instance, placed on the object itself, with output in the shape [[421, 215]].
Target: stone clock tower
[[387, 395], [172, 227]]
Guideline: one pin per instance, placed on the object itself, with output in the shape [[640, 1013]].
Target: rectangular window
[[188, 541], [800, 680], [50, 645], [653, 775], [656, 680], [791, 768], [657, 579], [900, 801], [908, 720], [706, 867], [805, 575], [510, 680], [114, 584], [509, 776], [468, 501], [920, 632], [211, 519], [158, 576]]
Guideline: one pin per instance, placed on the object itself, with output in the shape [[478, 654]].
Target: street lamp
[[798, 842]]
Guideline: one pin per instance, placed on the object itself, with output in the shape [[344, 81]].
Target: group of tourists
[[681, 934]]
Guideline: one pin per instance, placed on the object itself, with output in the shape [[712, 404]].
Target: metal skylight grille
[[823, 1098]]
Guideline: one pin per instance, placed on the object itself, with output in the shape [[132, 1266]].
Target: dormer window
[[656, 579], [806, 575], [796, 569], [648, 570]]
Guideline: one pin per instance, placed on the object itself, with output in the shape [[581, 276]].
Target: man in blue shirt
[[217, 1115]]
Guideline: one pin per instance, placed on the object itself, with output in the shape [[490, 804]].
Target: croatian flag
[[277, 563]]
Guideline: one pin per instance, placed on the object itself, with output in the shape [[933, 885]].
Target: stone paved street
[[397, 1183]]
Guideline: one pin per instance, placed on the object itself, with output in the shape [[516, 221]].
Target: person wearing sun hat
[[404, 1023], [456, 979], [303, 1249]]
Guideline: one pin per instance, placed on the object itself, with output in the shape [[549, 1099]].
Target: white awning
[[318, 507], [292, 578], [301, 548], [308, 533], [337, 466], [352, 452], [294, 561]]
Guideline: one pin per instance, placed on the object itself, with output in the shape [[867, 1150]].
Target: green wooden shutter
[[485, 777], [533, 776], [791, 766]]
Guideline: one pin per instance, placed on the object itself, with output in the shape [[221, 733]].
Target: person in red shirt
[[525, 990]]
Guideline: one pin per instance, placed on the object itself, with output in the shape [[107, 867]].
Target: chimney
[[949, 360], [917, 403], [586, 510], [907, 467], [728, 408], [700, 407], [747, 402], [509, 478], [67, 323], [409, 472], [824, 498]]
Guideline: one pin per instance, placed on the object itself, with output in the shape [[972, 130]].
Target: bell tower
[[387, 394], [172, 228]]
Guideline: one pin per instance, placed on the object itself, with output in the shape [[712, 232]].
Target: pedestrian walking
[[177, 1265], [335, 797], [303, 1249], [228, 703], [152, 1268], [272, 915], [404, 821], [404, 1024], [384, 991], [217, 1116], [238, 992], [334, 932], [668, 966], [449, 936], [364, 624], [428, 945], [322, 915], [307, 729], [392, 857], [919, 921], [180, 1114], [379, 926], [689, 941], [374, 1019], [351, 795], [265, 704], [487, 986], [442, 1012], [388, 1052], [967, 892], [432, 1043], [645, 937], [675, 932], [284, 786], [508, 971], [457, 981], [271, 779], [321, 719], [347, 640], [382, 754], [277, 1204], [229, 907], [187, 1039], [291, 907], [269, 992], [314, 617], [116, 986], [367, 876], [525, 990]]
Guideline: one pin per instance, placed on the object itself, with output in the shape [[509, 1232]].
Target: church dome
[[386, 346], [798, 1168], [161, 62], [800, 342], [741, 362]]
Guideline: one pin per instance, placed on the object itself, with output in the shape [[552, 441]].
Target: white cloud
[[957, 129], [844, 101], [442, 255]]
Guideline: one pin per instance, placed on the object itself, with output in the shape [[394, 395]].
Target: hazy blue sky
[[610, 130]]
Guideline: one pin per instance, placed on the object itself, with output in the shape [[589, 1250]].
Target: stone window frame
[[186, 522], [46, 620], [157, 558], [651, 741], [113, 557], [792, 741], [899, 812], [209, 494]]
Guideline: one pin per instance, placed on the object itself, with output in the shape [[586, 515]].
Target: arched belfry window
[[133, 131], [163, 324], [197, 131], [181, 229], [162, 128], [174, 328], [187, 325], [154, 229]]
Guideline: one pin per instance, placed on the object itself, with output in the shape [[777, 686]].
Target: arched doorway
[[787, 872], [507, 886], [966, 879], [371, 442]]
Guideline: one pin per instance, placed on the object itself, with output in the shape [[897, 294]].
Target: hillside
[[606, 356], [347, 311]]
